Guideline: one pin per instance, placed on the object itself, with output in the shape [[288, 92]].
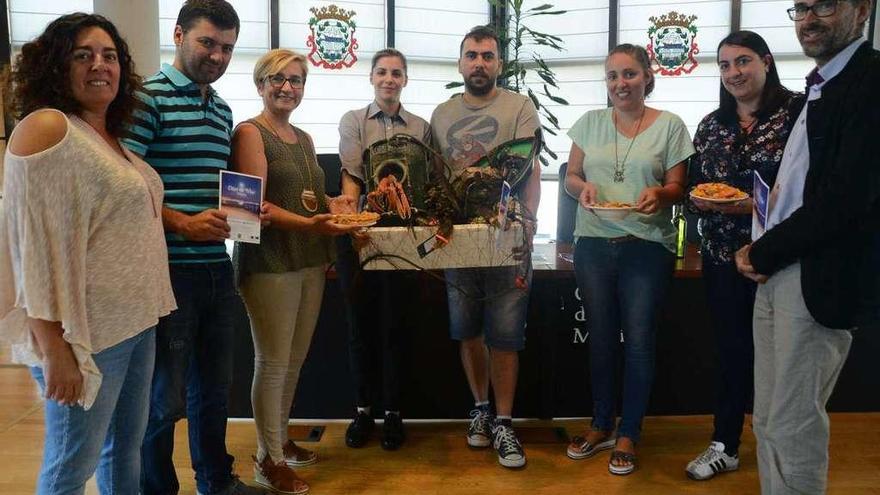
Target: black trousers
[[374, 334], [731, 302]]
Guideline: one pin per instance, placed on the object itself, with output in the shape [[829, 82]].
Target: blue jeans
[[108, 436], [491, 305], [623, 284], [194, 356]]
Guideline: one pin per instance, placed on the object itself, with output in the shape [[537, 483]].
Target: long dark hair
[[40, 77], [774, 94]]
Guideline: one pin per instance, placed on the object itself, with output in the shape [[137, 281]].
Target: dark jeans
[[731, 302], [623, 285], [373, 330], [194, 355]]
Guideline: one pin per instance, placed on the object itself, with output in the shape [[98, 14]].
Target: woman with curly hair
[[83, 270]]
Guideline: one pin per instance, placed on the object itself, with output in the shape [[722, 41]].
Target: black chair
[[332, 172], [566, 210]]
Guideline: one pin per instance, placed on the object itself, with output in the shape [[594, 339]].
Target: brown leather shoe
[[296, 456], [278, 477]]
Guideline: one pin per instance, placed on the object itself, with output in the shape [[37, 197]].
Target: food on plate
[[362, 218], [611, 204], [717, 190]]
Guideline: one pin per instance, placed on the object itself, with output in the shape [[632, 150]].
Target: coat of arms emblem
[[332, 40], [671, 44]]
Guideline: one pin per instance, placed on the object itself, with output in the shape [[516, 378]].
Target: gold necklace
[[620, 167], [308, 198]]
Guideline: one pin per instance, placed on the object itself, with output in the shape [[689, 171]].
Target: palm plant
[[517, 43]]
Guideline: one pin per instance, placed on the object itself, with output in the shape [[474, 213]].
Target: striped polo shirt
[[187, 140]]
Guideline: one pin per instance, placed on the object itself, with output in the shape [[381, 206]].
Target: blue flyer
[[240, 198], [761, 198]]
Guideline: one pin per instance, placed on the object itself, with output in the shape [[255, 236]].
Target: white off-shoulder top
[[82, 243]]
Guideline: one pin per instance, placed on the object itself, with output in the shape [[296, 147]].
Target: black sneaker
[[479, 432], [359, 430], [510, 451], [392, 432]]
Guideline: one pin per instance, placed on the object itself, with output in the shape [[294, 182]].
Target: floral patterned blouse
[[725, 155]]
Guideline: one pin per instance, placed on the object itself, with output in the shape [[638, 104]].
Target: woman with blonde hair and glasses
[[282, 278]]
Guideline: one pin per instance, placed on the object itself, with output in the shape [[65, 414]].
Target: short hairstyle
[[773, 95], [40, 77], [480, 33], [219, 12], [388, 52], [640, 55], [273, 61]]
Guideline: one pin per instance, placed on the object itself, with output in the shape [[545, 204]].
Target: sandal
[[629, 458], [581, 448]]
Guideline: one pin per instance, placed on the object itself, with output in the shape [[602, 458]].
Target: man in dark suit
[[819, 259]]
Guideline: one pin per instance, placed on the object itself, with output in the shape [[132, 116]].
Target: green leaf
[[454, 84], [551, 118], [548, 79], [555, 12], [558, 99], [541, 7], [544, 160], [534, 98]]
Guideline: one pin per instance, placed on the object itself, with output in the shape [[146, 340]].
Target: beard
[[204, 72], [201, 70], [829, 42], [479, 89]]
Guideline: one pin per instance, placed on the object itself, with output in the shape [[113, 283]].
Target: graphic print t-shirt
[[465, 133]]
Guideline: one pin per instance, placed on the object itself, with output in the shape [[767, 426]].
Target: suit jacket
[[835, 234]]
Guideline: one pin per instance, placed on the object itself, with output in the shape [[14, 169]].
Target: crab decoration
[[389, 195]]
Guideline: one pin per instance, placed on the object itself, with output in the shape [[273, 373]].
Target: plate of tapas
[[716, 192], [362, 219], [611, 210]]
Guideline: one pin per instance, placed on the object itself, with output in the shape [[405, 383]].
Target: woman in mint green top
[[653, 156], [629, 153]]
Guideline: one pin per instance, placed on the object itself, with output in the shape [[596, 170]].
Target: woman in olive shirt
[[282, 278]]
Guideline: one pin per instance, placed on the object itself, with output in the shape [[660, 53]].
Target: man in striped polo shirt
[[184, 131]]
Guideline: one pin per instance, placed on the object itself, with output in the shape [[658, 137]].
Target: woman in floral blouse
[[746, 134]]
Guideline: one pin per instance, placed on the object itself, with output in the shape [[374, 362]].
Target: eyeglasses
[[823, 8], [277, 81]]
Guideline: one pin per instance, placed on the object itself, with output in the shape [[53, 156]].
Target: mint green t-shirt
[[664, 144]]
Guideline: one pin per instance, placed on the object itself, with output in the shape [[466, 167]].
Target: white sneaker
[[711, 462]]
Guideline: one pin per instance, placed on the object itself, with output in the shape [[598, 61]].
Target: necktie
[[814, 78]]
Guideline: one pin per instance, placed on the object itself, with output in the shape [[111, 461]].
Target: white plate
[[362, 224], [607, 213], [366, 223], [720, 201]]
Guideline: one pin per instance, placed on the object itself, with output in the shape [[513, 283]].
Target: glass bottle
[[680, 223]]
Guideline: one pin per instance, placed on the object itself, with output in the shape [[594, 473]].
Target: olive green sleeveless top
[[290, 169]]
